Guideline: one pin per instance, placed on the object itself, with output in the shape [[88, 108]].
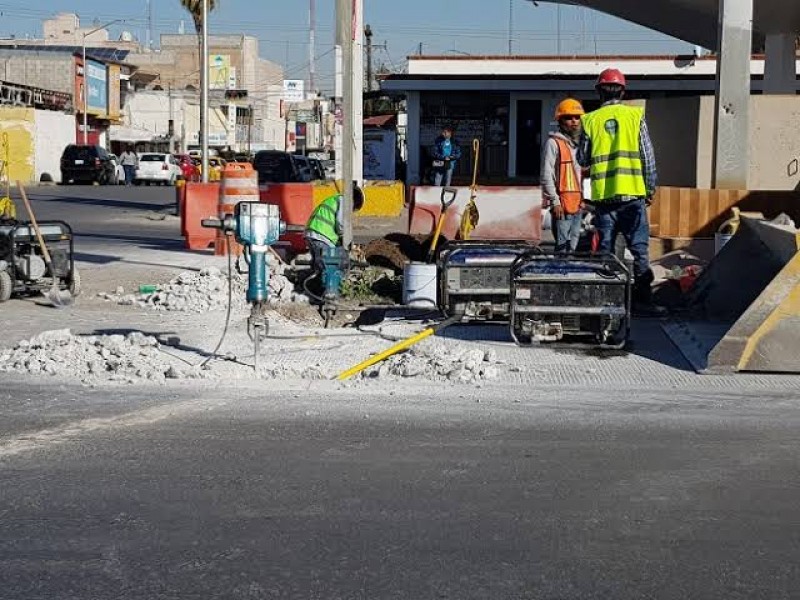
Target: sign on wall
[[97, 86], [113, 91], [219, 71], [379, 154]]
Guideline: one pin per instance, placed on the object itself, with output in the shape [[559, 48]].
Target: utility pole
[[344, 19], [204, 93], [312, 51], [150, 25], [368, 35], [510, 27]]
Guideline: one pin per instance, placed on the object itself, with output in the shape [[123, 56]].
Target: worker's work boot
[[643, 305]]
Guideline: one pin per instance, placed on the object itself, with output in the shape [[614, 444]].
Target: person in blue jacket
[[445, 152]]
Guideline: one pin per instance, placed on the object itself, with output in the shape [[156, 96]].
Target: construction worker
[[324, 227], [616, 146], [445, 153], [562, 176]]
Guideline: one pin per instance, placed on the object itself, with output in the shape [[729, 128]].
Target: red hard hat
[[611, 77]]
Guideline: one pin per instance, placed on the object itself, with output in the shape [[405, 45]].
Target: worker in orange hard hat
[[615, 145], [561, 176]]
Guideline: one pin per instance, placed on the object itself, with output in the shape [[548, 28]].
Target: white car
[[119, 170], [156, 167]]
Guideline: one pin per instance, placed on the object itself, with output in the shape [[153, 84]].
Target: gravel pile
[[126, 358], [204, 291], [439, 363]]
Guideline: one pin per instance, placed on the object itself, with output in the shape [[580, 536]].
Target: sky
[[441, 26]]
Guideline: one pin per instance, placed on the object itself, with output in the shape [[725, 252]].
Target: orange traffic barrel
[[239, 183]]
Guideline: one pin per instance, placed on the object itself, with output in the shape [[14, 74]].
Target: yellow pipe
[[399, 347]]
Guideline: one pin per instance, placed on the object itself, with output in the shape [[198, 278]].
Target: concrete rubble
[[123, 358], [205, 291], [438, 362]]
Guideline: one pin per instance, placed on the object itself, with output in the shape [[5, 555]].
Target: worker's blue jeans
[[567, 232], [630, 220], [317, 248], [443, 177]]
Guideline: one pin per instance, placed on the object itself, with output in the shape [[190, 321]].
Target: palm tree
[[195, 8]]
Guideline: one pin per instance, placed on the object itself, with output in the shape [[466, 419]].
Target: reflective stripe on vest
[[616, 160], [323, 219], [569, 187]]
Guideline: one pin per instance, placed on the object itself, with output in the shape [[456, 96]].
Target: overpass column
[[732, 105], [780, 72]]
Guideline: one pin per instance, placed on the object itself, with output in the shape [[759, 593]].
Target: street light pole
[[204, 94], [86, 78]]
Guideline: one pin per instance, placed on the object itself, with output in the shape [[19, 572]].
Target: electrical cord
[[215, 353]]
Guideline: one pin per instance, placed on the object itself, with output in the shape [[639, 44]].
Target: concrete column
[[412, 138], [358, 92], [732, 103], [780, 70]]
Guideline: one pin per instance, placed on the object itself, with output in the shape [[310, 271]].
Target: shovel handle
[[448, 197], [39, 237]]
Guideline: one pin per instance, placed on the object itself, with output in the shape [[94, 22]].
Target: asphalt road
[[323, 494]]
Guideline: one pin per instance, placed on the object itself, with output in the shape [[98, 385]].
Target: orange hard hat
[[569, 107]]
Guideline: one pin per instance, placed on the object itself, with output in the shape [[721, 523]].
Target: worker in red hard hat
[[616, 146], [562, 176]]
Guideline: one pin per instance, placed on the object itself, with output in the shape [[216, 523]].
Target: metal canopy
[[696, 21]]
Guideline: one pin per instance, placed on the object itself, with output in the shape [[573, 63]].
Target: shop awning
[[121, 133]]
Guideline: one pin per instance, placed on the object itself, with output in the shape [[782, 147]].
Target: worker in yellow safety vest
[[562, 176], [324, 226], [616, 146]]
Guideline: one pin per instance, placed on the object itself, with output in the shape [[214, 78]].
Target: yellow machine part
[[762, 299]]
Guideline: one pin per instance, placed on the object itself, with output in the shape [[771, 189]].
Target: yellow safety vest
[[616, 168], [323, 219]]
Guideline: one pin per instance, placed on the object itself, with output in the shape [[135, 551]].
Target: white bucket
[[720, 239], [419, 284]]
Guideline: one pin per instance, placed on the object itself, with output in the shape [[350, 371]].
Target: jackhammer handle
[[212, 223]]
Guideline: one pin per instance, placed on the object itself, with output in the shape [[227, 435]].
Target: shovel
[[55, 295], [448, 197]]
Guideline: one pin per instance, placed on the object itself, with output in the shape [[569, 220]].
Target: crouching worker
[[324, 227]]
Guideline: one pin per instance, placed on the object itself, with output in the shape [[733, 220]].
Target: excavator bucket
[[752, 285]]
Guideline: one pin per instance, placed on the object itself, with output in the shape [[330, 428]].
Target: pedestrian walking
[[130, 162], [445, 153], [616, 146], [562, 176]]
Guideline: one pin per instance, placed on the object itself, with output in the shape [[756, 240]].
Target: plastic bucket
[[720, 239], [419, 284]]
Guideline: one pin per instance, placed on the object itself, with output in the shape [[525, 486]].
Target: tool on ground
[[474, 278], [470, 217], [336, 262], [256, 227], [449, 195], [399, 347], [582, 297], [7, 207], [57, 296]]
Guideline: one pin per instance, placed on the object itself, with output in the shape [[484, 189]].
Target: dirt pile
[[396, 249], [124, 358]]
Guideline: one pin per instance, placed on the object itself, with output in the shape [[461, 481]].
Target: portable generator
[[23, 269], [584, 298], [474, 278]]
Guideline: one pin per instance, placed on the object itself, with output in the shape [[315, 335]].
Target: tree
[[195, 8]]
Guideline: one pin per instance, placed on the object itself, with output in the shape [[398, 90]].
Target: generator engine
[[578, 298]]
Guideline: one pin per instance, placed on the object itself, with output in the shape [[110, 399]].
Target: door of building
[[529, 138]]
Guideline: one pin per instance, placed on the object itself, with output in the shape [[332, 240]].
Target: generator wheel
[[6, 286], [75, 284]]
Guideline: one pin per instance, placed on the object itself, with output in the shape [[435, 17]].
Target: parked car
[[189, 169], [304, 167], [276, 166], [88, 164], [119, 170], [158, 168]]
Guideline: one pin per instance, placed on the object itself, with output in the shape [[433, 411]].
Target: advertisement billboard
[[293, 90], [96, 78], [219, 71]]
